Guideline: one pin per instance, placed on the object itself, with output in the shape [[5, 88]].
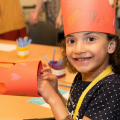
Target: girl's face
[[88, 51]]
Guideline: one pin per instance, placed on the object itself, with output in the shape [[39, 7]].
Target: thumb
[[44, 65]]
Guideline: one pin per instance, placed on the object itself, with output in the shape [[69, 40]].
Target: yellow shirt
[[11, 16]]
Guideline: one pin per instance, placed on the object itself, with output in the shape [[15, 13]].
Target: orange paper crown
[[88, 15]]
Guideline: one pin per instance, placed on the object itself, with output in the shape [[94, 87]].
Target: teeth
[[82, 59]]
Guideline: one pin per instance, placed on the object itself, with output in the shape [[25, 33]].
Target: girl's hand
[[46, 90], [51, 97], [51, 78]]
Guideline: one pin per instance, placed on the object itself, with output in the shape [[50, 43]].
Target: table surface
[[16, 107]]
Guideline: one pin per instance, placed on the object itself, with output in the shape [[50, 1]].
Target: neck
[[89, 77]]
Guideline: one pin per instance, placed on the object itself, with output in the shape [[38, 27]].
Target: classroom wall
[[28, 2], [33, 2]]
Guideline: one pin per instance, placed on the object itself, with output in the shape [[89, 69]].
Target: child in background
[[12, 23], [51, 13], [90, 48]]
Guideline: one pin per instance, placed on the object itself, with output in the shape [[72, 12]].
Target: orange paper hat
[[20, 79], [88, 15]]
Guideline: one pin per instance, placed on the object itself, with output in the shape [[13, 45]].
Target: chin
[[82, 70]]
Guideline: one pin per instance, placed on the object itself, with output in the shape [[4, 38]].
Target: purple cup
[[58, 70]]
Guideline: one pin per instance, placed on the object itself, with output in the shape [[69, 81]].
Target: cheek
[[68, 52], [99, 48], [99, 52]]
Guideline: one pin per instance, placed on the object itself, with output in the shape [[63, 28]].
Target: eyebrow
[[70, 35], [90, 33]]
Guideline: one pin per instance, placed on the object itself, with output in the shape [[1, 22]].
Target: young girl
[[89, 51]]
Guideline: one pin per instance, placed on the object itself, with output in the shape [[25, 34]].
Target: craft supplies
[[58, 70], [53, 56], [23, 46], [46, 58], [57, 67]]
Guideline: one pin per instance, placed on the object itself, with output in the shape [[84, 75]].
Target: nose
[[79, 47]]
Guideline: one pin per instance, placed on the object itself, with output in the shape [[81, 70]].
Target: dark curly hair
[[114, 58]]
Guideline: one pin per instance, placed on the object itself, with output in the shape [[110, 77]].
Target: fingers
[[47, 76], [57, 26], [44, 65], [46, 93], [43, 76], [58, 23], [41, 85], [46, 69], [32, 22]]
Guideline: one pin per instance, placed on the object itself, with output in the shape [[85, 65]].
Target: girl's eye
[[71, 41], [91, 39]]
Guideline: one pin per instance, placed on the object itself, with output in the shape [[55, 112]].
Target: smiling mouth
[[82, 59]]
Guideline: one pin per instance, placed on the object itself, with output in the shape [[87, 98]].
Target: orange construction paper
[[88, 15], [93, 15], [74, 17], [2, 88], [20, 79], [107, 19]]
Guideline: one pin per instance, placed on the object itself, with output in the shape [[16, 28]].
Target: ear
[[112, 46]]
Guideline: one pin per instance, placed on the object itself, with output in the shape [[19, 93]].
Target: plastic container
[[58, 70], [23, 51]]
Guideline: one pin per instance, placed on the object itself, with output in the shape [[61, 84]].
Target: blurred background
[[40, 18], [118, 18], [43, 32]]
